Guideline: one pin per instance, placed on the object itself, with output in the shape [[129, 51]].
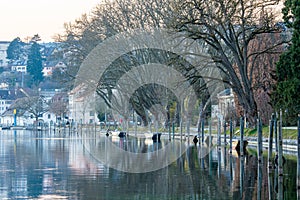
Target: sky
[[23, 18]]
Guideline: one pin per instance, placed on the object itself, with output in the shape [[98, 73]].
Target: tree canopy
[[227, 30], [286, 95], [15, 50], [34, 63]]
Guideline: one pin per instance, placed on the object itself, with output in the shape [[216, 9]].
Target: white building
[[82, 105], [226, 104], [3, 47], [25, 119], [5, 100], [49, 67], [19, 68], [4, 105]]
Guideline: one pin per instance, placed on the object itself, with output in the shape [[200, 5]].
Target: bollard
[[280, 169], [242, 136], [230, 137], [270, 149], [259, 139]]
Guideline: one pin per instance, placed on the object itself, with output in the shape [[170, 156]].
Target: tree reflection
[[64, 167]]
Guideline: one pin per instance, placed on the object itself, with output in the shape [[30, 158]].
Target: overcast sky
[[22, 18]]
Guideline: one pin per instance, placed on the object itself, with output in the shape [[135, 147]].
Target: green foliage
[[252, 132], [101, 116], [15, 49], [34, 63], [286, 95]]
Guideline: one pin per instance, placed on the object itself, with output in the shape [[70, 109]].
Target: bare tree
[[59, 105], [228, 28], [35, 105], [225, 29]]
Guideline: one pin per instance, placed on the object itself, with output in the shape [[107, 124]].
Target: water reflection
[[47, 166]]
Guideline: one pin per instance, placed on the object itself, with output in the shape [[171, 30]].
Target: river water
[[35, 165]]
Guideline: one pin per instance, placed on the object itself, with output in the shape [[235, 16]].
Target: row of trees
[[243, 37]]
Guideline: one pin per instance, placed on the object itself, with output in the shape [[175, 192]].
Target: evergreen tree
[[15, 50], [34, 63], [287, 93]]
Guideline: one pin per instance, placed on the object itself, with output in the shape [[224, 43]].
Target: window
[[92, 113]]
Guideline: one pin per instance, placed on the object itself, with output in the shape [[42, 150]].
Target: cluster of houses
[[75, 108]]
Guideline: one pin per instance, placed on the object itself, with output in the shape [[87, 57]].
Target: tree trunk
[[248, 105]]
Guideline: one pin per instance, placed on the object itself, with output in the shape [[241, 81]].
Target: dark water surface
[[63, 166]]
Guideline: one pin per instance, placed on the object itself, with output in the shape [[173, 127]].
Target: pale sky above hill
[[23, 18]]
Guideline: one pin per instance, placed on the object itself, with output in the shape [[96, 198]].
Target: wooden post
[[230, 168], [242, 162], [270, 149], [259, 140], [169, 131], [209, 130], [270, 184], [298, 158], [225, 132], [259, 181], [202, 131], [280, 186], [135, 123], [188, 129], [275, 133], [180, 129], [173, 130], [230, 137], [210, 164], [225, 158], [242, 136], [219, 133], [219, 164], [280, 169]]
